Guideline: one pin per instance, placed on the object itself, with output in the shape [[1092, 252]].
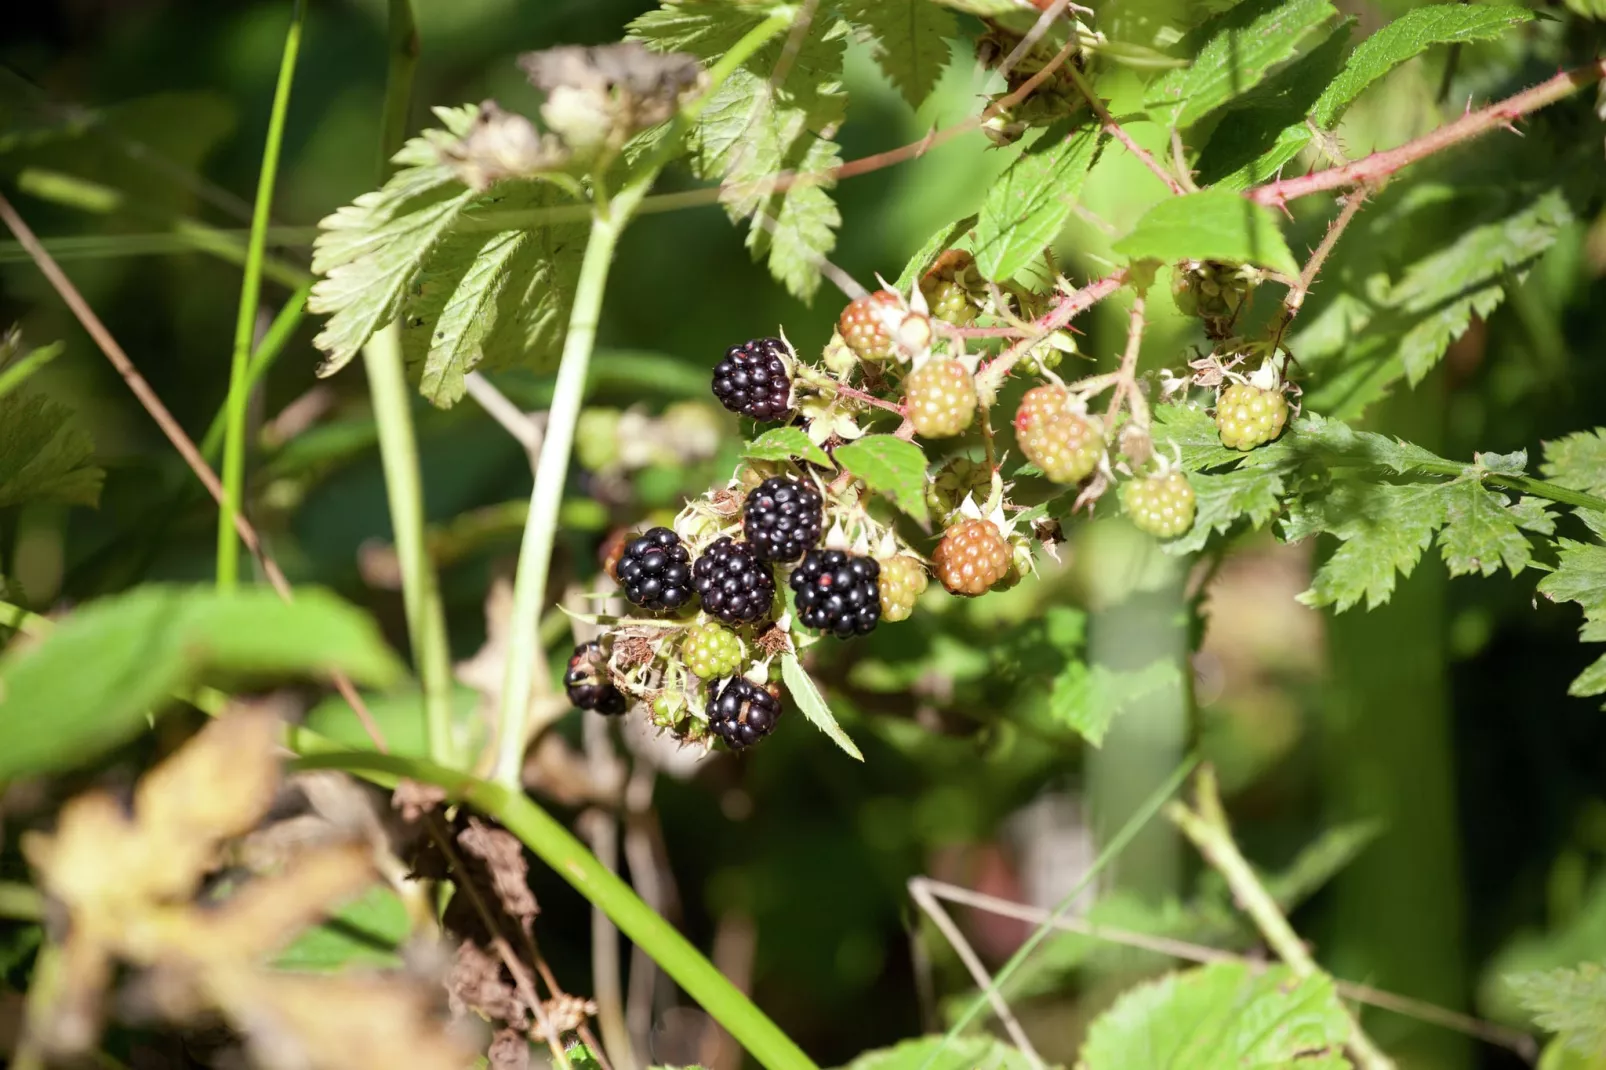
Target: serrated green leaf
[[949, 237], [1028, 205], [748, 133], [18, 366], [1193, 433], [1238, 49], [1578, 461], [1210, 225], [813, 705], [909, 39], [1380, 330], [1088, 698], [1411, 34], [158, 641], [370, 250], [1225, 1016], [1265, 128], [1384, 529], [1571, 1002], [783, 444], [44, 454], [488, 300], [892, 466], [937, 1053], [1480, 532], [1580, 576]]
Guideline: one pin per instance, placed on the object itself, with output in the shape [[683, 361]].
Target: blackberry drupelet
[[752, 380], [587, 683], [838, 592], [655, 571], [735, 585], [783, 518], [742, 712]]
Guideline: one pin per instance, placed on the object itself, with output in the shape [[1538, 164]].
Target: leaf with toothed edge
[[783, 444], [892, 466], [812, 704]]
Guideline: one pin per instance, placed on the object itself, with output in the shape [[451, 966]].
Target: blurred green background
[[1444, 716]]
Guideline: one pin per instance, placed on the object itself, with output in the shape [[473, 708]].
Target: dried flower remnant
[[502, 144], [598, 97]]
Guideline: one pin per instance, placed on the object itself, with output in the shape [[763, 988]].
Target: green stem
[[403, 47], [228, 543], [398, 445], [27, 623], [274, 340], [546, 496], [559, 849], [540, 529], [398, 452], [1537, 488], [1135, 824], [18, 373], [1207, 827]]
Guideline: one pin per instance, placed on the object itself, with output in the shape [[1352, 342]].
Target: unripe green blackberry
[[903, 581], [940, 398], [948, 300], [972, 557], [1248, 416], [1065, 444], [959, 478], [1162, 505], [711, 651]]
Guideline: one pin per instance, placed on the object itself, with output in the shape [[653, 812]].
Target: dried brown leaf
[[268, 913], [503, 866]]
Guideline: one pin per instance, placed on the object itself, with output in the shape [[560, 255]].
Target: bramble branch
[[1068, 308], [1126, 379], [1115, 130], [1206, 826], [1380, 165]]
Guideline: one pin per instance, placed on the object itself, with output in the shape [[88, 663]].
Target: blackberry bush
[[655, 571], [782, 518], [838, 593], [735, 584]]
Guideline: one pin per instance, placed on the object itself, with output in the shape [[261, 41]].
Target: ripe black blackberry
[[783, 518], [752, 380], [655, 571], [587, 683], [734, 584], [742, 712], [838, 593]]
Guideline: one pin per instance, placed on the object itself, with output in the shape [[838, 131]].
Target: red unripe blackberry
[[940, 398], [741, 712], [1162, 505], [1065, 444], [1248, 416], [655, 571], [782, 518], [971, 557], [862, 327], [752, 380], [587, 684], [903, 580], [734, 584], [838, 592]]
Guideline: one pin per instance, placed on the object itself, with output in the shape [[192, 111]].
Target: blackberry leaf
[[1029, 204], [1226, 1014], [1578, 461], [1580, 576], [892, 466], [1221, 498], [44, 455], [1088, 698], [784, 443], [909, 39], [748, 133], [806, 695], [1231, 54], [1571, 1002], [1210, 225], [1482, 531]]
